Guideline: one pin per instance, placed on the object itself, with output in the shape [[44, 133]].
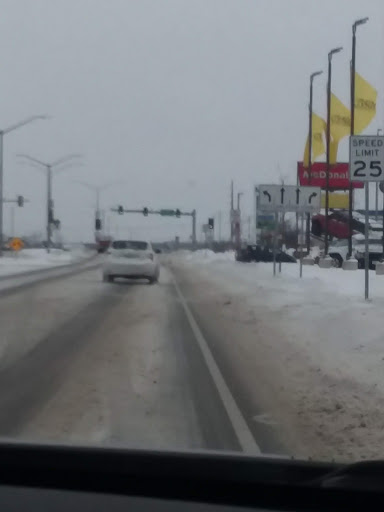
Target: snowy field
[[35, 259], [328, 340]]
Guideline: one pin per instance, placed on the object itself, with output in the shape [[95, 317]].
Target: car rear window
[[130, 244]]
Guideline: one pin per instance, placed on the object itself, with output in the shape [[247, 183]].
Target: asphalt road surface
[[124, 363]]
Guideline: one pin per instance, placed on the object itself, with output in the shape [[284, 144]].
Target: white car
[[338, 250], [134, 259]]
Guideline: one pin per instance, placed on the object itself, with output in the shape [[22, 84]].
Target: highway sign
[[16, 244], [167, 213], [289, 198], [366, 157]]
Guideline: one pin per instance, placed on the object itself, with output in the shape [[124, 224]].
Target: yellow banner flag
[[340, 119], [365, 111], [318, 146], [365, 103]]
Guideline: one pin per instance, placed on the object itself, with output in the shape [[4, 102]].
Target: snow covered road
[[227, 359]]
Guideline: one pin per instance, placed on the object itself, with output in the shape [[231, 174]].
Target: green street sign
[[168, 213]]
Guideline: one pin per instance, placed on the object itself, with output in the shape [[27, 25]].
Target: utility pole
[[238, 222], [311, 78], [48, 169], [2, 133], [219, 222], [231, 213], [12, 221], [377, 190], [99, 222], [194, 229], [328, 143], [352, 131]]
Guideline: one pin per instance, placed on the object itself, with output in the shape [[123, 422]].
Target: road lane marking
[[242, 431]]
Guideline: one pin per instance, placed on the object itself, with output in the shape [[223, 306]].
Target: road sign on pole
[[167, 213], [366, 157], [289, 198], [366, 163]]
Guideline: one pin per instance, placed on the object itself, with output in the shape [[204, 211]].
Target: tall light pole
[[311, 78], [49, 167], [238, 222], [357, 23], [239, 194], [97, 189], [11, 128], [328, 141], [377, 189]]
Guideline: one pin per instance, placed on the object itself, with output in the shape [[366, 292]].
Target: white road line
[[243, 433]]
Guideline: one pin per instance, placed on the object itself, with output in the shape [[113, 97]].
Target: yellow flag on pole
[[365, 103], [340, 119], [318, 146]]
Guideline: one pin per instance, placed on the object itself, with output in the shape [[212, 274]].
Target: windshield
[[179, 201], [130, 244]]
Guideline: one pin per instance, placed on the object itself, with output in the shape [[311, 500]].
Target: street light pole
[[2, 133], [328, 141], [49, 172], [311, 78], [49, 206], [377, 190], [239, 194], [352, 131]]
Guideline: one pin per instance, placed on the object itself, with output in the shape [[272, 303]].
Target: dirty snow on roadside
[[34, 259], [330, 340]]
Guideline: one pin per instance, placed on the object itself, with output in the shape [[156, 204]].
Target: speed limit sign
[[366, 158]]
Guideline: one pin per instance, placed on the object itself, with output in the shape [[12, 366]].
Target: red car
[[337, 225]]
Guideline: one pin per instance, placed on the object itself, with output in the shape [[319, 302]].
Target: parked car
[[375, 248], [338, 251], [337, 225], [134, 259]]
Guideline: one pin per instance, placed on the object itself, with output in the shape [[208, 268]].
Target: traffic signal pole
[[164, 213]]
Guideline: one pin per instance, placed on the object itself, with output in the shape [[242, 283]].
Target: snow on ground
[[336, 334], [207, 256], [35, 259]]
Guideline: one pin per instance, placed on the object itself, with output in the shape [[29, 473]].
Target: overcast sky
[[171, 98]]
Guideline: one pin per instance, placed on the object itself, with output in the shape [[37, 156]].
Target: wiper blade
[[362, 476]]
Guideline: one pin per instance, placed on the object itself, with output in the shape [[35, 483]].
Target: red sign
[[338, 176]]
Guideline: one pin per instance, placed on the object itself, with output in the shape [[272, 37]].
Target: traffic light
[[20, 201], [120, 210], [178, 213], [145, 211], [98, 224], [211, 223]]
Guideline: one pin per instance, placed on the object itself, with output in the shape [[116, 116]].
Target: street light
[[311, 78], [377, 189], [10, 128], [238, 222], [357, 23], [328, 140], [239, 194], [97, 189], [49, 168]]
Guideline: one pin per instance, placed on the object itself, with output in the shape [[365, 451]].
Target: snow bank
[[206, 256], [34, 259], [331, 342]]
